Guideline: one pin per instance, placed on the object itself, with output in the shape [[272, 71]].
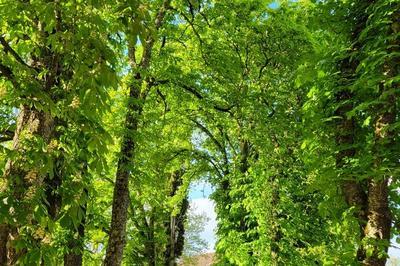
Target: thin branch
[[194, 92], [148, 46], [163, 98], [214, 139], [7, 48], [214, 164], [6, 72], [209, 134]]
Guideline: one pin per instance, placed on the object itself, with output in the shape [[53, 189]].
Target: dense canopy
[[110, 110]]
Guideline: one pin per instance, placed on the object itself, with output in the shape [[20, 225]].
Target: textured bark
[[25, 183], [379, 216], [3, 243], [73, 259], [117, 234], [25, 178], [379, 220], [353, 190]]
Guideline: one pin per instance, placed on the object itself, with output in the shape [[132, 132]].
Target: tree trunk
[[353, 190], [275, 226], [152, 243], [3, 243], [25, 183], [74, 257], [379, 222], [175, 228], [378, 227], [120, 205], [117, 234]]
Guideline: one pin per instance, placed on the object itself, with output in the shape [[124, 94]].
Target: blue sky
[[199, 200], [200, 189]]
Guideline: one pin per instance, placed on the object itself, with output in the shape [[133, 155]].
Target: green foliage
[[241, 93]]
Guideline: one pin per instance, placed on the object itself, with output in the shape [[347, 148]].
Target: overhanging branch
[[194, 92], [9, 50]]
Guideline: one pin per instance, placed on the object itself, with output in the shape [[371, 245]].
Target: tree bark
[[117, 235], [354, 193], [120, 205], [175, 228], [74, 257], [25, 183], [379, 223], [3, 244]]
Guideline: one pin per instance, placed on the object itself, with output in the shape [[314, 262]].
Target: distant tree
[[194, 243]]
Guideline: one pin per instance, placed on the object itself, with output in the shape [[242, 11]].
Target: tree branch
[[213, 138], [6, 72], [194, 92], [8, 49], [148, 46]]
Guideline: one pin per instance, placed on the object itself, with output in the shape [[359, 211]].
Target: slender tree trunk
[[120, 205], [152, 256], [117, 235], [176, 227], [275, 227], [3, 242], [171, 248], [74, 257]]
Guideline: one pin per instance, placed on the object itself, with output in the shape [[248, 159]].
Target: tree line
[[111, 109]]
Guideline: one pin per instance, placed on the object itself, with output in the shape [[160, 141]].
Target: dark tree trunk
[[74, 257], [117, 234], [151, 243], [3, 244], [353, 190], [39, 124], [379, 215], [275, 228], [175, 229]]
